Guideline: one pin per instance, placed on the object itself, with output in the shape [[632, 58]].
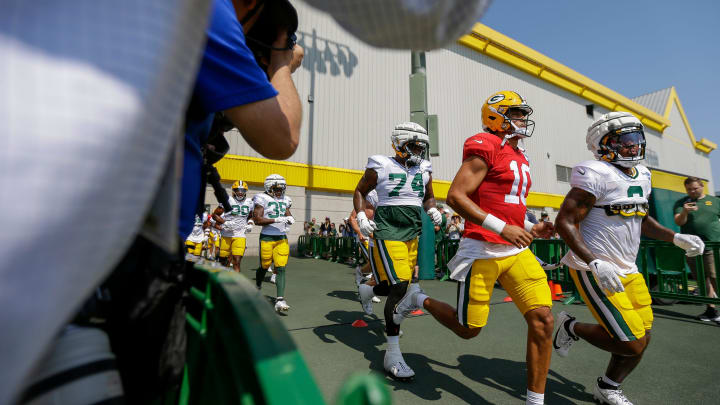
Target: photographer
[[262, 104], [699, 214]]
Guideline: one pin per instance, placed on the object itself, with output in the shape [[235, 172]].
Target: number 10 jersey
[[505, 187]]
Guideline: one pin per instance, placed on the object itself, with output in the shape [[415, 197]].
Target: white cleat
[[563, 339], [396, 367], [272, 278], [407, 304], [366, 294], [281, 305], [610, 397], [359, 277], [375, 299]]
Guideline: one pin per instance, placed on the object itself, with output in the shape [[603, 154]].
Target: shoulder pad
[[377, 161]]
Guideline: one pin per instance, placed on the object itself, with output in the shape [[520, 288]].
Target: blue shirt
[[228, 77]]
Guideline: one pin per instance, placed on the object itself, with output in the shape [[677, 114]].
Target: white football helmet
[[275, 185], [410, 134], [615, 131]]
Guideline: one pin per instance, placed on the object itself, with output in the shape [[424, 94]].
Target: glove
[[249, 226], [606, 274], [366, 226], [435, 215], [289, 220], [280, 220], [691, 244]]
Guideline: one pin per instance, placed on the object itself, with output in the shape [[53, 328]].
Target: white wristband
[[493, 223], [528, 225]]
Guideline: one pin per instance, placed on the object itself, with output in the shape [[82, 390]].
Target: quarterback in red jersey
[[489, 191]]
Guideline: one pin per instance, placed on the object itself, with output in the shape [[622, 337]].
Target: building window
[[563, 173]]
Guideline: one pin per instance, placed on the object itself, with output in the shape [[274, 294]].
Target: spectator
[[325, 227], [531, 217], [307, 228], [314, 228], [332, 232], [544, 217], [456, 228], [341, 231], [698, 214]]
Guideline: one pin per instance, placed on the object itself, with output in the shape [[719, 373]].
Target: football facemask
[[415, 152], [624, 147]]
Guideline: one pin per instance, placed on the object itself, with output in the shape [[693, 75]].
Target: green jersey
[[705, 222]]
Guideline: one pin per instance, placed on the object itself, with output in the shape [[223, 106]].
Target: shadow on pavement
[[511, 377], [345, 295]]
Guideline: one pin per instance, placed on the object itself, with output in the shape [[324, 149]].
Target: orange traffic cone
[[359, 324], [557, 292], [507, 299], [552, 288]]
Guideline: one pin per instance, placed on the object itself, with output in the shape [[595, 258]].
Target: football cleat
[[610, 397], [281, 305], [396, 367], [272, 278], [407, 303], [375, 299], [366, 294], [563, 339]]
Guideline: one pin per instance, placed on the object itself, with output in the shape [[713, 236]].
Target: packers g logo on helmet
[[495, 119]]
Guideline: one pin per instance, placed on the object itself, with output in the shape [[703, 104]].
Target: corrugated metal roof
[[655, 101]]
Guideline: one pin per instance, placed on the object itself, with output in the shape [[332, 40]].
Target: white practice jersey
[[198, 233], [237, 219], [273, 208], [398, 185], [612, 228]]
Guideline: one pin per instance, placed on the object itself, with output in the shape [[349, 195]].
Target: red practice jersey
[[505, 187]]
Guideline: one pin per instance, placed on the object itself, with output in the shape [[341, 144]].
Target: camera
[[276, 16]]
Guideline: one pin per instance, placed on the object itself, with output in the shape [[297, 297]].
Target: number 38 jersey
[[505, 187], [400, 194], [612, 228], [237, 219], [273, 208]]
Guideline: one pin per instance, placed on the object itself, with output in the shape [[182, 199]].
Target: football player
[[365, 242], [216, 222], [601, 221], [272, 212], [236, 225], [489, 191], [194, 242], [404, 187]]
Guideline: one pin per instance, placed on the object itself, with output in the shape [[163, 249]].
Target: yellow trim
[[484, 39], [254, 170], [671, 181], [703, 145]]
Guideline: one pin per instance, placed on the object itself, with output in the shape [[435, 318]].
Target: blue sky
[[633, 47]]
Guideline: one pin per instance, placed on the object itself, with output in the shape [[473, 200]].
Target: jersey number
[[243, 210], [513, 197], [278, 209], [416, 184]]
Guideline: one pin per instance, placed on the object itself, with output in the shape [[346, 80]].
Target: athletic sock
[[571, 328], [393, 343], [607, 384], [420, 300], [280, 281], [534, 398], [259, 276]]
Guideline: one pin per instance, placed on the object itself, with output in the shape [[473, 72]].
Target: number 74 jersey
[[504, 189], [398, 185]]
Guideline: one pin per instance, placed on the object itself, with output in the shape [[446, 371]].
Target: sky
[[633, 47]]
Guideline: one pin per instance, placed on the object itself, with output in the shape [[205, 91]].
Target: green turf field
[[681, 366]]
